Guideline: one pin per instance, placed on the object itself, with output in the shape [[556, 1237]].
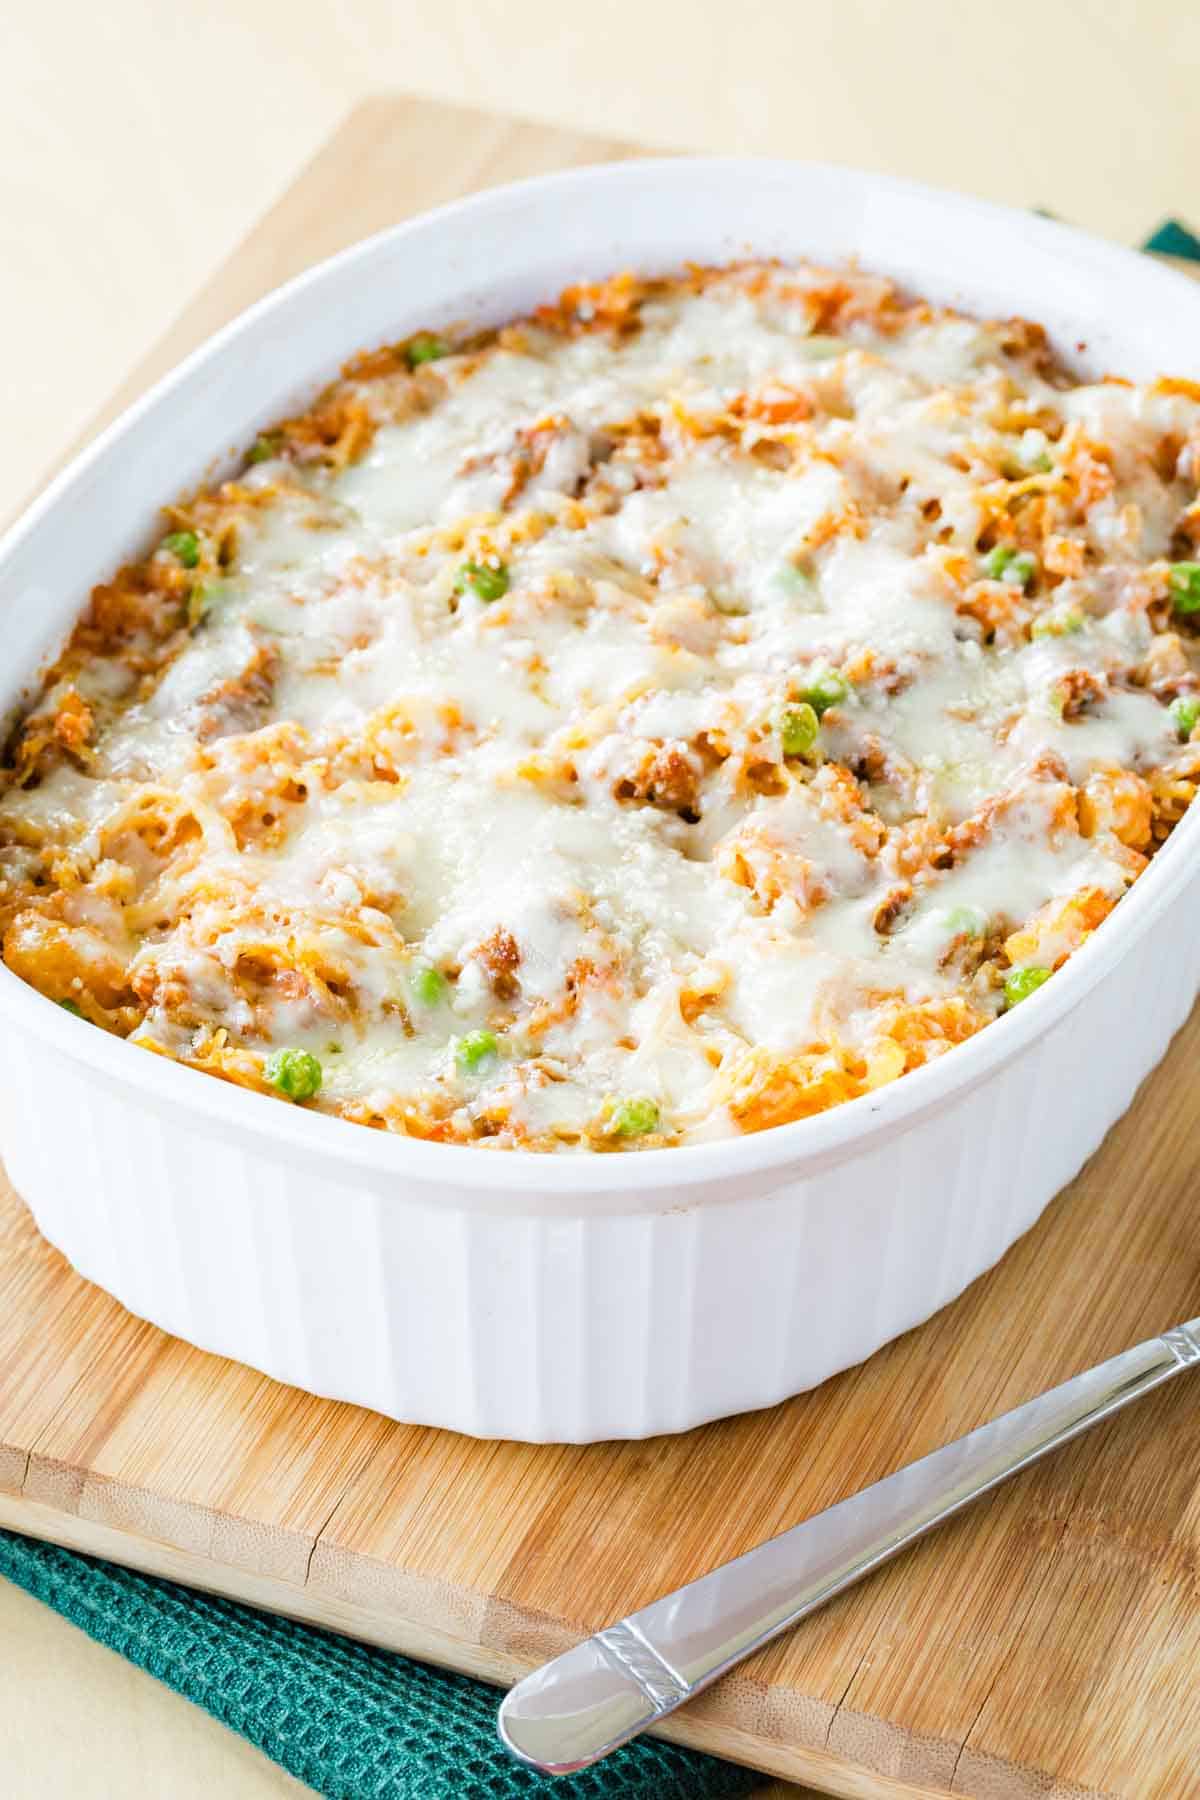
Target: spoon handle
[[585, 1703]]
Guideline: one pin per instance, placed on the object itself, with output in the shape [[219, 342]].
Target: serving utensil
[[595, 1697]]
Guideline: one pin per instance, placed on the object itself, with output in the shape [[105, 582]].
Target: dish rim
[[799, 1145]]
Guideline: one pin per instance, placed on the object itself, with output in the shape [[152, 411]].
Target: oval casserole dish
[[572, 1299]]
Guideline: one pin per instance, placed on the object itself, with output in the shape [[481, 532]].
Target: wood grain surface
[[1044, 1644]]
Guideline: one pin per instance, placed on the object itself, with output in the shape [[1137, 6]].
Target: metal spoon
[[606, 1690]]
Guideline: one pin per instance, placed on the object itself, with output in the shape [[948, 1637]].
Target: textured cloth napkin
[[354, 1723], [1174, 239]]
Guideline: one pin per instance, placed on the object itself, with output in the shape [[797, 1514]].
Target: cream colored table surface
[[76, 1719], [139, 139]]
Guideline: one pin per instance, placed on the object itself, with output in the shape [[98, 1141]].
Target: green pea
[[71, 1007], [296, 1073], [184, 546], [826, 688], [798, 728], [265, 447], [476, 1052], [427, 984], [969, 921], [1185, 710], [1059, 623], [633, 1118], [1003, 563], [1183, 582], [425, 347], [487, 581], [1020, 983]]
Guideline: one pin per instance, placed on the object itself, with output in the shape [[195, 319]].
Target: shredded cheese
[[466, 724]]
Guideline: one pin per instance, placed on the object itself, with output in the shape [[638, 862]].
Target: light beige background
[[140, 138]]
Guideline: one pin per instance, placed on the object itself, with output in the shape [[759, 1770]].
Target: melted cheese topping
[[672, 716]]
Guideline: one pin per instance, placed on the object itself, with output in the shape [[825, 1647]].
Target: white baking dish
[[575, 1298]]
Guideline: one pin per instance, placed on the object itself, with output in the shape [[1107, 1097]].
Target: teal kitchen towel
[[353, 1722], [1174, 239]]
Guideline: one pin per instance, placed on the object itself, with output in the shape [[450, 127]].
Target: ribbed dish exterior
[[557, 1323], [420, 1280]]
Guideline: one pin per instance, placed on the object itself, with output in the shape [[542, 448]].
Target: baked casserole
[[668, 716]]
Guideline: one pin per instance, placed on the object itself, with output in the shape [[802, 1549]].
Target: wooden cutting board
[[1044, 1644]]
